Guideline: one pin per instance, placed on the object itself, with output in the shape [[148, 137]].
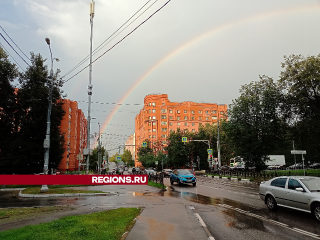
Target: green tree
[[255, 128], [126, 156], [300, 81], [93, 159], [178, 153], [32, 100], [8, 127]]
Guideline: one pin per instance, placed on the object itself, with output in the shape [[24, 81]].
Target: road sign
[[144, 144], [298, 152], [156, 162], [118, 158], [104, 157], [209, 151], [184, 139]]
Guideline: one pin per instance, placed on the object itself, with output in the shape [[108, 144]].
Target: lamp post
[[46, 143]]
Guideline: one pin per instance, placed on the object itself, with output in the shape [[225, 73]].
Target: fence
[[157, 178]]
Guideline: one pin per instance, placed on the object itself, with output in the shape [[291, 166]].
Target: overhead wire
[[119, 40], [98, 48], [11, 56], [14, 49], [14, 42]]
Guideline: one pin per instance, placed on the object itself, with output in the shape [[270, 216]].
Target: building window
[[153, 110], [192, 124], [170, 111], [214, 117], [154, 123], [186, 130], [178, 124], [178, 118], [221, 113], [213, 111], [68, 135], [69, 109], [164, 136], [200, 118], [185, 111], [154, 130], [170, 117], [154, 117], [149, 117], [185, 118], [164, 129], [193, 130], [149, 110], [207, 119], [178, 111], [171, 124], [164, 142], [149, 124], [163, 110], [149, 136], [200, 111], [154, 136], [192, 118], [163, 116], [186, 124], [149, 130], [164, 123], [153, 104], [192, 112], [171, 130], [207, 112]]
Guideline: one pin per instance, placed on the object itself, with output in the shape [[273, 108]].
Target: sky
[[192, 50]]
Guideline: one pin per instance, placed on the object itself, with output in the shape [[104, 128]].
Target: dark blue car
[[182, 176]]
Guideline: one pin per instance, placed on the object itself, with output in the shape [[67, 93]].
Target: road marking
[[313, 235], [210, 237]]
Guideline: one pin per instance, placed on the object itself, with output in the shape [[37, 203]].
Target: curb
[[232, 178], [63, 195]]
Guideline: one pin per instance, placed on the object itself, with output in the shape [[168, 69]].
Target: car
[[182, 176], [151, 172], [297, 192], [167, 172], [296, 166], [315, 165], [224, 168], [130, 170], [191, 171]]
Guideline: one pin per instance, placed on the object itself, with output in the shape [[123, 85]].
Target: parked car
[[167, 172], [301, 193], [182, 176], [151, 172], [275, 167], [296, 166], [130, 170], [224, 168], [315, 165]]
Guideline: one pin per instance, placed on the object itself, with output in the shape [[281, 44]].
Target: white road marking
[[200, 220]]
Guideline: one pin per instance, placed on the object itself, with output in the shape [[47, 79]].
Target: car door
[[278, 189], [295, 198], [174, 175]]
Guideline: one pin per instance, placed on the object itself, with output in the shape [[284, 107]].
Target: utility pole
[[90, 86], [99, 151], [218, 143]]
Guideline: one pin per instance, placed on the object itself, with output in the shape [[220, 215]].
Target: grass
[[13, 214], [153, 184], [102, 225], [55, 190]]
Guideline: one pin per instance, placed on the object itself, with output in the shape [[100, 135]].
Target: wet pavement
[[228, 208]]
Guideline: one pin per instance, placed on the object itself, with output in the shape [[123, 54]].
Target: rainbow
[[215, 31]]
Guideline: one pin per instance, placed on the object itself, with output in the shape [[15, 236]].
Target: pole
[[99, 149], [304, 169], [294, 155], [46, 143], [90, 85], [219, 156]]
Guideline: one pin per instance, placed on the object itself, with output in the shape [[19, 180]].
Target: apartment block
[[74, 128], [159, 116]]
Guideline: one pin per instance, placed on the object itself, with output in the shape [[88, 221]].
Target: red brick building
[[74, 128], [159, 116]]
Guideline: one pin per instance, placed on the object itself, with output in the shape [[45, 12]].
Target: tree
[[300, 81], [8, 128], [126, 156], [178, 154], [255, 128], [32, 100]]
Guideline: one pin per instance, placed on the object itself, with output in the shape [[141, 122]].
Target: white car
[[296, 192]]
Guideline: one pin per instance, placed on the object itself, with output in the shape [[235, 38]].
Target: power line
[[14, 42], [14, 49], [98, 48], [131, 104], [119, 40], [11, 56]]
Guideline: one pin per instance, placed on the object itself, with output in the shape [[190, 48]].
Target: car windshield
[[312, 184], [184, 172]]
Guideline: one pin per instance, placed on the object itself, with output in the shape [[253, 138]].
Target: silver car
[[297, 192]]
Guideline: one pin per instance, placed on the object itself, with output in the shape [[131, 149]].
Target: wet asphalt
[[229, 209]]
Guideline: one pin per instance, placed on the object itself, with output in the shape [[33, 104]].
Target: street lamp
[[46, 143]]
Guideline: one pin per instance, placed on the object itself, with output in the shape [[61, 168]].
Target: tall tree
[[126, 156], [8, 128], [255, 127], [32, 117]]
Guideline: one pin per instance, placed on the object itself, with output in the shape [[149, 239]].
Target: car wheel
[[316, 211], [271, 202], [194, 184], [171, 181], [179, 183]]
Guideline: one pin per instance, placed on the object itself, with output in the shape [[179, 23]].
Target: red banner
[[73, 179]]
